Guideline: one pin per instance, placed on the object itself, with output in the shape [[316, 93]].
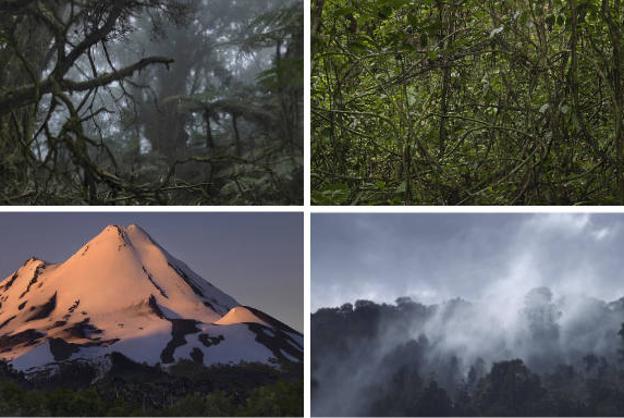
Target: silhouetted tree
[[510, 389], [434, 402]]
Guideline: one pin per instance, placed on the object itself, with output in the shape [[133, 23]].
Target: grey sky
[[255, 257], [434, 257]]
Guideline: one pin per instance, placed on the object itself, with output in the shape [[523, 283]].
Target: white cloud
[[601, 233], [435, 257]]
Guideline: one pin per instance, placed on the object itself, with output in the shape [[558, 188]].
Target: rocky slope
[[122, 292]]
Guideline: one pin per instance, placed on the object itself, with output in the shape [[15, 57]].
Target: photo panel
[[151, 314], [467, 103], [156, 102], [467, 314]]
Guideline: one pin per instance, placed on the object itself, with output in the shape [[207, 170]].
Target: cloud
[[434, 257], [600, 234]]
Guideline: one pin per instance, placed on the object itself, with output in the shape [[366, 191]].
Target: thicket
[[187, 389], [151, 102], [458, 102]]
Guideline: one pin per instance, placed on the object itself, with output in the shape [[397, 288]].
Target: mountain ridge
[[123, 292]]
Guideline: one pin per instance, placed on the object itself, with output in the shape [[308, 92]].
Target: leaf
[[496, 31], [544, 108], [550, 20]]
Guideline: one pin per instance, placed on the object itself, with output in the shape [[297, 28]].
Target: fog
[[435, 257], [160, 102], [473, 290]]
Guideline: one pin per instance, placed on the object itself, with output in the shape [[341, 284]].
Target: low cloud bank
[[357, 350]]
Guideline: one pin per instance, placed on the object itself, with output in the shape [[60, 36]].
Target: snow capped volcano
[[122, 292]]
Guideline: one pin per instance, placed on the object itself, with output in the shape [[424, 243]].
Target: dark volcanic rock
[[271, 321], [155, 308], [83, 329], [10, 282], [38, 271], [179, 329], [29, 336], [209, 341], [62, 350], [7, 321], [58, 324], [151, 279], [187, 279], [44, 310], [74, 306], [277, 341]]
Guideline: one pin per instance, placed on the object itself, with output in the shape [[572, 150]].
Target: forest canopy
[[560, 358], [130, 389], [151, 102], [463, 102]]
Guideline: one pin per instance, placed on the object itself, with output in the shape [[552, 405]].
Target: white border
[[307, 77], [466, 209], [172, 209], [307, 312], [309, 211], [307, 140]]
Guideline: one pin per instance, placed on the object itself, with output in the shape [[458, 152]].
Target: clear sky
[[435, 257], [257, 258]]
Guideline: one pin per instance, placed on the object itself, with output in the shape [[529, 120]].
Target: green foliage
[[284, 398], [130, 389], [281, 399], [216, 404], [213, 117], [14, 400], [430, 102]]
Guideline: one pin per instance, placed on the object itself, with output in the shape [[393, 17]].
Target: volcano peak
[[124, 292]]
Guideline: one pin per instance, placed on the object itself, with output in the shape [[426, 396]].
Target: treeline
[[451, 102], [280, 399], [510, 388], [410, 359], [130, 389]]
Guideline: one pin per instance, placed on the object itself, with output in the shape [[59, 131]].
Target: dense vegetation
[[383, 360], [151, 102], [135, 390], [451, 102]]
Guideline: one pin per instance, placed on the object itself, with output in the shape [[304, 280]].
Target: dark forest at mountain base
[[131, 389], [411, 359]]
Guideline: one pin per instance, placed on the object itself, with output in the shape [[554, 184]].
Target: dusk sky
[[435, 257], [257, 258]]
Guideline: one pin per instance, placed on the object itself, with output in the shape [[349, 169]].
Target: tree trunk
[[209, 139], [237, 140]]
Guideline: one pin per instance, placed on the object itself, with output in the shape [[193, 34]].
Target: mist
[[442, 299], [156, 102]]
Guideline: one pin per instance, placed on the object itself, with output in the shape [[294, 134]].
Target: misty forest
[[175, 102], [451, 102], [547, 355]]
